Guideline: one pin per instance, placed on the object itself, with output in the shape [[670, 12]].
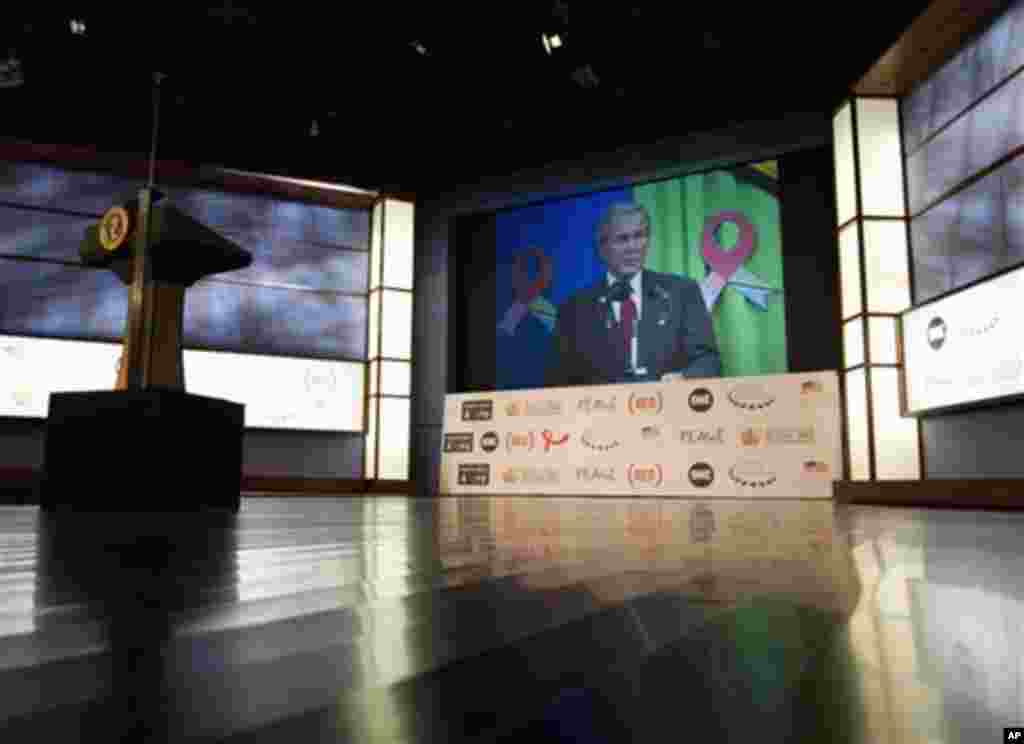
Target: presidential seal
[[114, 229]]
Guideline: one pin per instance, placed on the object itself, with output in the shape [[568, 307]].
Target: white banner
[[278, 392], [965, 348], [776, 436]]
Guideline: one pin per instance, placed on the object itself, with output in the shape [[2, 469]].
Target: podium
[[147, 445]]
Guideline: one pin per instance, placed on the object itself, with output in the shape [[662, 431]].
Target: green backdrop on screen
[[752, 341]]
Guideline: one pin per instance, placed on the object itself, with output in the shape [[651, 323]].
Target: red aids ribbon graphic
[[549, 439], [726, 267], [725, 263], [525, 289]]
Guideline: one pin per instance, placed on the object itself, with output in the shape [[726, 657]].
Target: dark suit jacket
[[675, 335]]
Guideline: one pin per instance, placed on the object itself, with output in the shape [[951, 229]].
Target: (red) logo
[[645, 403], [645, 475], [549, 440]]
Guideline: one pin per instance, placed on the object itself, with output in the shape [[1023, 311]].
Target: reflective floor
[[402, 620]]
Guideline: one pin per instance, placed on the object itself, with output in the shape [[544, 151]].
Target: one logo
[[750, 397], [702, 436], [645, 475], [590, 475], [751, 473], [536, 476], [591, 404], [489, 441], [458, 442], [534, 408], [701, 475], [811, 387], [593, 441], [550, 440], [520, 441], [645, 403], [477, 410], [474, 474], [816, 467], [701, 400], [114, 228], [937, 332], [702, 524]]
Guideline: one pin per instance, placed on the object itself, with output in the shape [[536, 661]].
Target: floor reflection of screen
[[278, 392]]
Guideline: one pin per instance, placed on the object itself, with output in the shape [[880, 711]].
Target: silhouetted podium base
[[153, 450]]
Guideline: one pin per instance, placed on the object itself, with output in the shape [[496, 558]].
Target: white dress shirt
[[637, 283]]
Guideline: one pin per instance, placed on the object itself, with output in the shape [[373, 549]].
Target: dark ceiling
[[246, 81]]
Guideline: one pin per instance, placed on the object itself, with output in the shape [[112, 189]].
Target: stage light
[[314, 129], [420, 49], [551, 42], [11, 74], [77, 27]]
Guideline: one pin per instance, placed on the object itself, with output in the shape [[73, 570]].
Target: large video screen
[[278, 392], [965, 173], [303, 295], [673, 278]]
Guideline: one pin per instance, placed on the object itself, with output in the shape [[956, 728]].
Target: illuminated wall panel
[[396, 378], [880, 159], [390, 344], [896, 443], [394, 439], [882, 339], [397, 270], [857, 433], [853, 342], [886, 266], [850, 270], [846, 187], [871, 222], [396, 321]]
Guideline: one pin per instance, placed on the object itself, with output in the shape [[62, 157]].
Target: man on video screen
[[634, 324]]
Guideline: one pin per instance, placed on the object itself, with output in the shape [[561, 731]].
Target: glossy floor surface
[[476, 619]]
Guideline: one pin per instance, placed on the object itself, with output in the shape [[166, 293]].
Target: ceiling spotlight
[[550, 42], [585, 77], [420, 49], [11, 75], [77, 27]]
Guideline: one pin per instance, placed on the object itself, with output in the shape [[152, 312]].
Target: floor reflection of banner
[[769, 436]]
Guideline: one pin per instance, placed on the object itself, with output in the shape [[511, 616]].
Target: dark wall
[[810, 260], [434, 317]]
